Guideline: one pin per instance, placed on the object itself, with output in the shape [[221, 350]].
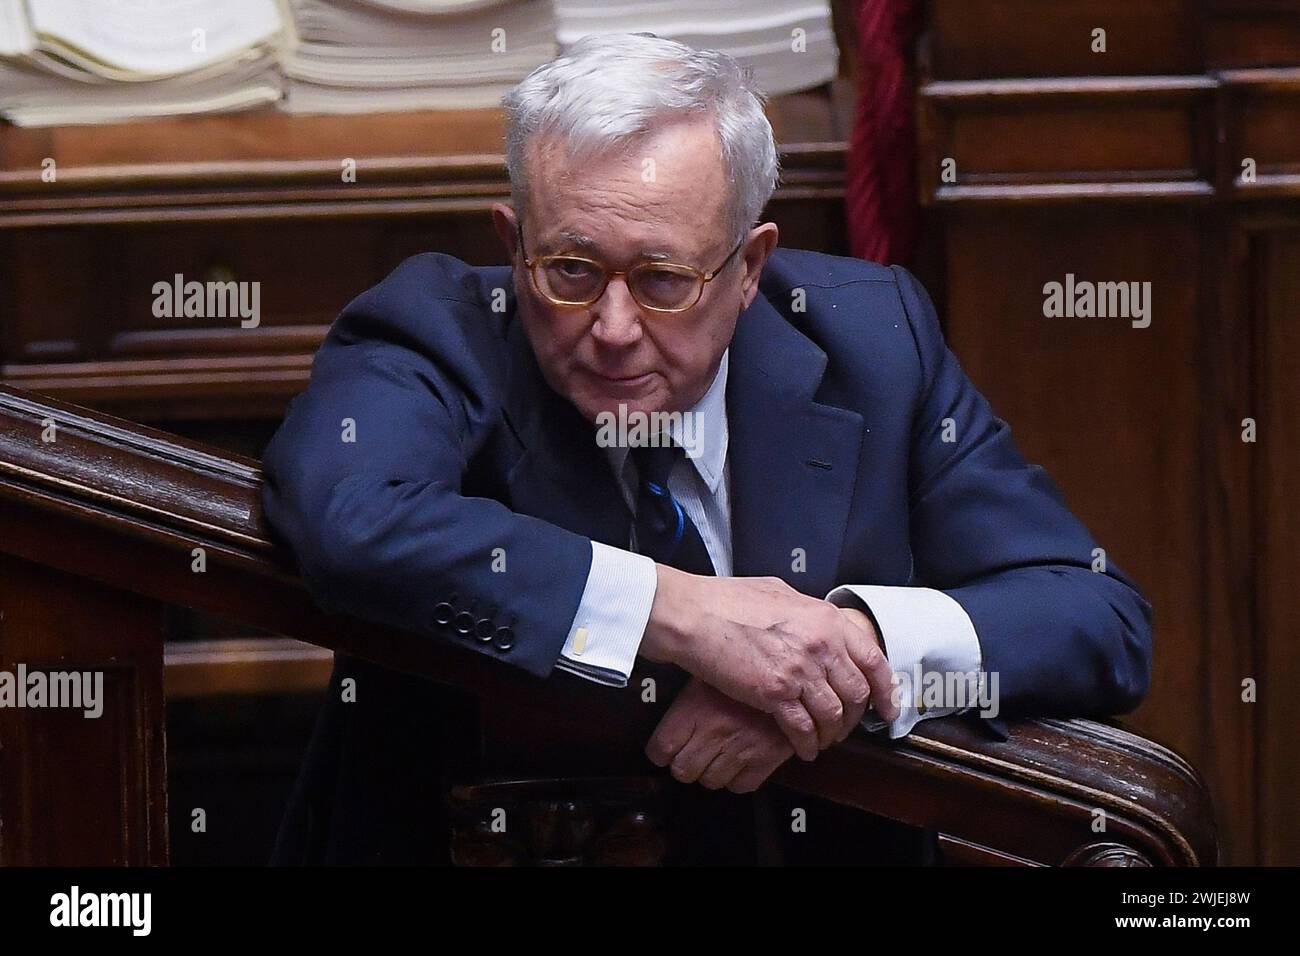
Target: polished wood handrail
[[87, 497]]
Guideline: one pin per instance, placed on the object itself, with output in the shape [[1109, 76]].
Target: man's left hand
[[710, 738]]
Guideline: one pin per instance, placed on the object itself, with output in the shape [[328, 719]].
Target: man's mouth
[[623, 381]]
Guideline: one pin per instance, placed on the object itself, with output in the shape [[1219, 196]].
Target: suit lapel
[[562, 476], [793, 461]]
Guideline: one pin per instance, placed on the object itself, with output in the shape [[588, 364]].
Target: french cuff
[[607, 629], [932, 649]]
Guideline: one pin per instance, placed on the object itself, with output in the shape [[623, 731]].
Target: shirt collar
[[711, 417]]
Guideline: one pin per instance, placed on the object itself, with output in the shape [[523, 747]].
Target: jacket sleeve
[[363, 482], [993, 532]]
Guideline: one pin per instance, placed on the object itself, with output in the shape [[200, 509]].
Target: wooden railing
[[105, 524]]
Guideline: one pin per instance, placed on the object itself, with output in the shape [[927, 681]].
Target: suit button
[[484, 629], [504, 639], [464, 623], [443, 612]]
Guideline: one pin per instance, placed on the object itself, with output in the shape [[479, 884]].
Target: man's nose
[[618, 317]]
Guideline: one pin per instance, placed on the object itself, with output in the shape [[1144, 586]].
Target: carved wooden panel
[[1252, 32], [994, 38], [1173, 158], [1277, 664], [1112, 410], [92, 785]]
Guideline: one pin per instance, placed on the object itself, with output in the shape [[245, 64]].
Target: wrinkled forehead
[[668, 188]]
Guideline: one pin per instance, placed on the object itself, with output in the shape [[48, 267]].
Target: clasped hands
[[774, 673]]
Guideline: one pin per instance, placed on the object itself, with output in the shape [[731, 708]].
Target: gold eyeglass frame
[[703, 277]]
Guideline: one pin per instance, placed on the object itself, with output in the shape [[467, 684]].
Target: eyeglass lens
[[654, 285]]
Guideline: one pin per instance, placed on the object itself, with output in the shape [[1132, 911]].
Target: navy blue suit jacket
[[836, 413]]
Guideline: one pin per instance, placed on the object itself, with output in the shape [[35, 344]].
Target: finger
[[851, 687], [852, 718], [827, 711], [748, 780], [693, 759], [755, 774], [721, 770], [844, 674], [871, 660], [797, 725], [672, 734]]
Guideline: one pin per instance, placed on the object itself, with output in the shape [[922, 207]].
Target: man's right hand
[[761, 642]]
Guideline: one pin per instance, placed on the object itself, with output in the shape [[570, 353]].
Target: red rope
[[881, 193]]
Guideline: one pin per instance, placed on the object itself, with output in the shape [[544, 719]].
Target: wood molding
[[272, 167], [1167, 138]]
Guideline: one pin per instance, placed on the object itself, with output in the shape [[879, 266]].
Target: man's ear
[[758, 247], [506, 225]]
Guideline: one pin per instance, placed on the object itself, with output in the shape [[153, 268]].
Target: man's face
[[668, 198]]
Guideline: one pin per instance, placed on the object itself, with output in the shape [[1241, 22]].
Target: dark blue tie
[[664, 531], [711, 827]]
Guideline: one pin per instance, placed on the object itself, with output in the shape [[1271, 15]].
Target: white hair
[[606, 92]]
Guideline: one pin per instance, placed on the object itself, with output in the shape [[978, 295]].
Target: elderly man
[[833, 514]]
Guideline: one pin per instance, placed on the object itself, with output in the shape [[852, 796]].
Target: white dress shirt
[[923, 630]]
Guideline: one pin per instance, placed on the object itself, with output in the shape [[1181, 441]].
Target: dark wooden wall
[[1127, 166]]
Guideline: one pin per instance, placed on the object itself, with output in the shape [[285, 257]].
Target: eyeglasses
[[657, 286]]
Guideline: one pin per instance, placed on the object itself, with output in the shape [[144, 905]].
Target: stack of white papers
[[788, 44], [377, 55], [96, 61]]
